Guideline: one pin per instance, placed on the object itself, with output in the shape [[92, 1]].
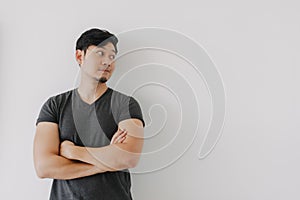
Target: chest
[[90, 127]]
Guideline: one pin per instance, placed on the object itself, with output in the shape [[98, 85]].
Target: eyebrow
[[106, 49]]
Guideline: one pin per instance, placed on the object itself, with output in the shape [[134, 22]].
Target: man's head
[[95, 53]]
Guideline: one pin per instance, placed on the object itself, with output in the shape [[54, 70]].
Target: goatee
[[102, 80]]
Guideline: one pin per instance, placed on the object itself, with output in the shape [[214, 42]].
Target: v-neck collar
[[87, 104]]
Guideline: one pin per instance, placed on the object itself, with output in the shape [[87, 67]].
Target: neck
[[91, 89]]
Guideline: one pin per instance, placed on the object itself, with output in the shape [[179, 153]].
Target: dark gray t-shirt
[[91, 125]]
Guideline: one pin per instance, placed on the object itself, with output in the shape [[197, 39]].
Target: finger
[[117, 135], [121, 136], [122, 140], [120, 131]]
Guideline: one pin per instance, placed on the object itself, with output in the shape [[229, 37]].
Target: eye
[[112, 57], [100, 53]]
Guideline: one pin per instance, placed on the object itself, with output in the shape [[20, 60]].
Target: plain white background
[[255, 45]]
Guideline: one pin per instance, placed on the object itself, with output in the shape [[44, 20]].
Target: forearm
[[58, 167], [111, 158], [114, 157]]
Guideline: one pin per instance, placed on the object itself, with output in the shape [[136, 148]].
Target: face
[[98, 63]]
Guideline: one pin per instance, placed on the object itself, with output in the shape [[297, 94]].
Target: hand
[[66, 149], [119, 137]]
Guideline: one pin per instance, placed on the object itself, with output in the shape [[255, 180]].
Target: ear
[[79, 55]]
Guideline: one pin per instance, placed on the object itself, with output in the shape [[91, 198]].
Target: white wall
[[255, 46]]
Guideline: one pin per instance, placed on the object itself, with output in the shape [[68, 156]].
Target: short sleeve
[[48, 112], [131, 109]]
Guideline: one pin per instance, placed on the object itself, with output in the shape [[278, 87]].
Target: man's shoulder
[[120, 96], [118, 93], [62, 96], [123, 99]]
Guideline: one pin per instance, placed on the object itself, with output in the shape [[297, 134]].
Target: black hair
[[95, 37]]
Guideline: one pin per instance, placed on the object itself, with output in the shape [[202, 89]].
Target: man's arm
[[47, 161], [115, 156]]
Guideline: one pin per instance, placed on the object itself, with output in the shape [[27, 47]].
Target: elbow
[[125, 162], [41, 171], [41, 175], [133, 161]]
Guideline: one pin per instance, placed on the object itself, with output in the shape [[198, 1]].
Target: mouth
[[104, 70]]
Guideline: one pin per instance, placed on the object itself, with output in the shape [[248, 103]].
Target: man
[[88, 137]]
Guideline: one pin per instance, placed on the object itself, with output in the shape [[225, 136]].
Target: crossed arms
[[65, 160]]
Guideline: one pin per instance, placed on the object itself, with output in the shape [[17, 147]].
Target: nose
[[106, 61]]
